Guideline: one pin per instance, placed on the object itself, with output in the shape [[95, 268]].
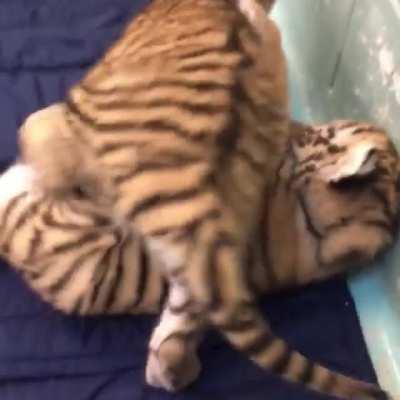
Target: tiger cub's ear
[[355, 161]]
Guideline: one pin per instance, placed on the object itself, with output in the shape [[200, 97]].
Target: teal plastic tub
[[344, 62]]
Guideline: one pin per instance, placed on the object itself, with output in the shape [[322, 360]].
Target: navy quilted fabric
[[45, 46]]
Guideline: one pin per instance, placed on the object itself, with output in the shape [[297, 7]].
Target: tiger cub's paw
[[172, 366]]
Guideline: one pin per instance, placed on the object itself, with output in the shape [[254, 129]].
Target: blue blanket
[[45, 46]]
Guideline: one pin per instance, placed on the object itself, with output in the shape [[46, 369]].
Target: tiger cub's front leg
[[172, 362]]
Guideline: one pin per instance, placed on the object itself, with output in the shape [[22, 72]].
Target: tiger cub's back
[[205, 94]]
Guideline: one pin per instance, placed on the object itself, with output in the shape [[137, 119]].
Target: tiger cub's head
[[344, 178]]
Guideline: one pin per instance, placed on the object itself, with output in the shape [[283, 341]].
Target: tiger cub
[[179, 128], [74, 254]]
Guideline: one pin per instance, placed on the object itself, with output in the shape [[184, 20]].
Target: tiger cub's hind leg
[[172, 362]]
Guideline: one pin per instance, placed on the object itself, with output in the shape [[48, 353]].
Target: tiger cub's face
[[346, 178]]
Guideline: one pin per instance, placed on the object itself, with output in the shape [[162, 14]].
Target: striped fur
[[157, 127], [49, 224], [53, 228], [179, 129], [74, 254]]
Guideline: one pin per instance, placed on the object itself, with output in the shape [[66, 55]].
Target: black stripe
[[335, 149], [308, 169], [213, 277], [215, 300], [21, 220], [143, 275], [155, 165], [49, 220], [307, 373], [75, 110], [162, 199], [251, 261], [67, 246], [261, 343], [108, 282], [34, 243], [36, 273], [117, 279], [331, 132], [287, 157], [280, 365], [122, 267], [199, 52], [269, 133], [229, 136], [5, 215], [267, 265], [139, 45], [188, 229], [369, 129], [167, 126], [188, 336], [98, 277], [205, 66], [385, 225], [151, 126], [244, 99], [117, 146], [317, 156], [97, 219], [76, 243], [343, 221], [238, 325], [164, 293], [200, 86], [79, 132], [167, 164], [195, 34], [382, 198], [77, 307], [330, 382], [320, 140], [75, 266], [189, 105], [9, 209], [309, 224], [179, 309], [255, 165], [225, 239]]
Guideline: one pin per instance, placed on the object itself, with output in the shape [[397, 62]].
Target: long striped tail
[[218, 287], [252, 336]]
